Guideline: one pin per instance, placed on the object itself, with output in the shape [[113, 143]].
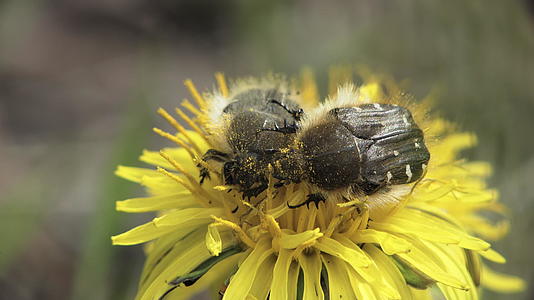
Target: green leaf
[[300, 285], [203, 268], [324, 283], [412, 276], [473, 265]]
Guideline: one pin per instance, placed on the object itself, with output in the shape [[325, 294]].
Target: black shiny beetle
[[261, 123], [363, 148]]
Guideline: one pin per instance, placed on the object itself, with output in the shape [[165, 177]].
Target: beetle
[[361, 148], [259, 123]]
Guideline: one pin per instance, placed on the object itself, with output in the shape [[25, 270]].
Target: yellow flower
[[208, 236]]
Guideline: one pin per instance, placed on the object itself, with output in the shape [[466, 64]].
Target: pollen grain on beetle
[[254, 199]]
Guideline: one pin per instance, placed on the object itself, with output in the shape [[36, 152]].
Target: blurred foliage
[[101, 264], [79, 81], [17, 223]]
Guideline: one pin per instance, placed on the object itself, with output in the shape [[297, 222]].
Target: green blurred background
[[80, 82]]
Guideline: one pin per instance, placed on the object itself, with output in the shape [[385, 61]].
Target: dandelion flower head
[[410, 241]]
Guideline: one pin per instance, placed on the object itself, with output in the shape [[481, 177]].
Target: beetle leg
[[255, 191], [285, 129], [211, 154], [316, 198], [296, 113], [216, 155]]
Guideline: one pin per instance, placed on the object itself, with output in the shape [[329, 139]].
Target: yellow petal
[[140, 234], [162, 185], [292, 280], [309, 92], [485, 228], [502, 283], [279, 285], [437, 126], [136, 205], [428, 227], [389, 243], [435, 210], [292, 241], [351, 255], [262, 282], [213, 240], [188, 216], [134, 174], [390, 272], [242, 281], [477, 196], [183, 219], [452, 259], [430, 191], [157, 183], [198, 139], [371, 273], [426, 263], [161, 248], [311, 269], [183, 258], [478, 168], [418, 294], [452, 144], [339, 285], [493, 256], [180, 155], [360, 287], [371, 91], [213, 280], [204, 267]]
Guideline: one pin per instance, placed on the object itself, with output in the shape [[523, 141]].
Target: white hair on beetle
[[348, 95], [217, 123], [385, 199]]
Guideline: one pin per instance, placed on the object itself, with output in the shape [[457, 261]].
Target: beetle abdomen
[[397, 159], [332, 156]]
